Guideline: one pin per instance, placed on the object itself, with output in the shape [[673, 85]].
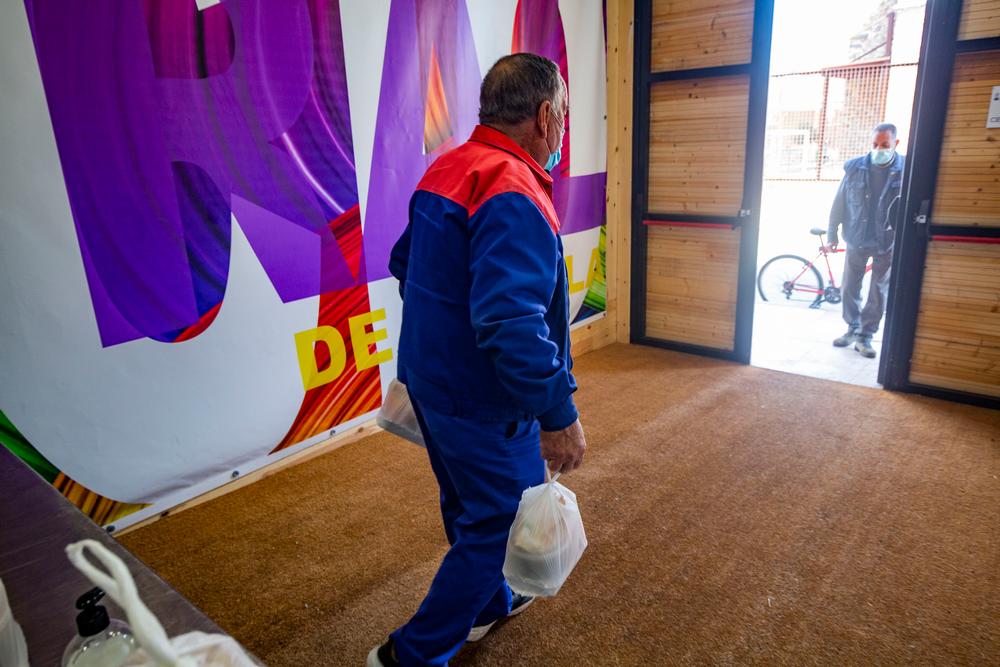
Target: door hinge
[[921, 217]]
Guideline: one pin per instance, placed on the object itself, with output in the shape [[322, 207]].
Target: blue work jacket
[[851, 203], [485, 332]]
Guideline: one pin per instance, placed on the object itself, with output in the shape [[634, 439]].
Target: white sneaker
[[381, 656], [518, 604]]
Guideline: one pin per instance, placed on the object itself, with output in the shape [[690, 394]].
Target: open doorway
[[837, 71]]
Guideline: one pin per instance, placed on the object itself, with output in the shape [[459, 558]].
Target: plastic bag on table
[[397, 415], [193, 649], [13, 648], [546, 540]]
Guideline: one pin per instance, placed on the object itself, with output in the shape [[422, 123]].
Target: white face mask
[[882, 156]]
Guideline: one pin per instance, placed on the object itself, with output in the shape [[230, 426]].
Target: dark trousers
[[481, 468], [865, 321]]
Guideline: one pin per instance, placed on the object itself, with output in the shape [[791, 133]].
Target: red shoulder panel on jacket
[[474, 172]]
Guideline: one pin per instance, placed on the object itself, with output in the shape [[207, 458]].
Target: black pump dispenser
[[93, 618]]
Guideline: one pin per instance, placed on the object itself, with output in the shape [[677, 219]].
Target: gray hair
[[885, 127], [516, 86]]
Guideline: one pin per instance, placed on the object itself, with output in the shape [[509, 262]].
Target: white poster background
[[146, 421]]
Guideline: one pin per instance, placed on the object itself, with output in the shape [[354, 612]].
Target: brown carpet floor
[[735, 515]]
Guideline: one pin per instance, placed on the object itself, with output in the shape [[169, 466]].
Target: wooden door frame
[[938, 49], [748, 219]]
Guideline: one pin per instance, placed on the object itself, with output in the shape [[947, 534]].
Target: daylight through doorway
[[837, 71]]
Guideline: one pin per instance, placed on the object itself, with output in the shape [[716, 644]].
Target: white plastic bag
[[13, 649], [397, 415], [546, 540], [194, 649]]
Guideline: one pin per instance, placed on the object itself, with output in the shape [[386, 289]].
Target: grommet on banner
[[236, 473], [110, 528]]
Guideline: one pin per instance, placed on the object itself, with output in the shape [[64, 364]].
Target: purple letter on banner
[[168, 119], [427, 41]]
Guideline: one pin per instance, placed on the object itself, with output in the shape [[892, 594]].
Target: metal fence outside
[[817, 120]]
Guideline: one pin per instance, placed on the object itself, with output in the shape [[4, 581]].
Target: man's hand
[[832, 247], [564, 449]]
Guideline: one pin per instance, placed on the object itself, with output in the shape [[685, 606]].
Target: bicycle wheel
[[789, 279]]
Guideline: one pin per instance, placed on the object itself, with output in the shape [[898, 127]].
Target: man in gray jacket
[[864, 205]]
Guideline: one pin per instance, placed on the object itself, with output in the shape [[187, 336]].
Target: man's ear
[[542, 118]]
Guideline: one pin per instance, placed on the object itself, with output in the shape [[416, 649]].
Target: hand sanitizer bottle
[[103, 641]]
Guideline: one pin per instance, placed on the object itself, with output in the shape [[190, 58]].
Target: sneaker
[[381, 656], [846, 339], [518, 604], [864, 347]]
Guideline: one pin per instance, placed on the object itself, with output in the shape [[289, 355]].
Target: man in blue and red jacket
[[484, 349]]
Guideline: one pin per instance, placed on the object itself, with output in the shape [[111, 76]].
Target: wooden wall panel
[[621, 66], [957, 343], [980, 18], [968, 185], [697, 145], [689, 34], [691, 279]]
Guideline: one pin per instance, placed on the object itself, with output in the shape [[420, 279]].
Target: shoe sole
[[372, 660], [864, 354], [477, 633]]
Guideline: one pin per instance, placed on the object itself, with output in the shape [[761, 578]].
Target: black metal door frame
[[915, 228], [748, 218]]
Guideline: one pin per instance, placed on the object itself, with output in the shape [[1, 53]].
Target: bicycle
[[795, 279]]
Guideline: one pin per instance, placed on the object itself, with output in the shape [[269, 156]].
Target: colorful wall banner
[[198, 202]]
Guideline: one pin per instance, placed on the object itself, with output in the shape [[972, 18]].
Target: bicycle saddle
[[817, 231]]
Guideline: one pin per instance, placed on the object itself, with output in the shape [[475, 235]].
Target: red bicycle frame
[[824, 252]]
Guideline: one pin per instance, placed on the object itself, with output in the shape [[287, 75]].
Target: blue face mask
[[553, 160], [555, 157], [882, 156]]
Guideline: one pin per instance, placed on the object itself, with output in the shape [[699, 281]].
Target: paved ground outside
[[799, 340], [796, 338]]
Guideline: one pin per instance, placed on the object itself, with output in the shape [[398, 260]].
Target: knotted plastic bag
[[193, 649], [397, 415], [546, 540], [13, 648]]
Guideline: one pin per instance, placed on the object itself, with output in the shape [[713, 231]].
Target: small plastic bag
[[397, 415], [546, 540], [193, 649], [13, 648]]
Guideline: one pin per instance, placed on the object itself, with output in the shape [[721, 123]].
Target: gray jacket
[[850, 205]]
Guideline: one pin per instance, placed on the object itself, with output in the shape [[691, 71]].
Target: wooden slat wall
[[957, 342], [980, 18], [689, 34], [968, 185], [691, 275], [621, 66], [957, 339], [697, 145], [697, 154]]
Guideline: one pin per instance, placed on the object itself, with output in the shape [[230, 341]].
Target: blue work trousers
[[482, 468]]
